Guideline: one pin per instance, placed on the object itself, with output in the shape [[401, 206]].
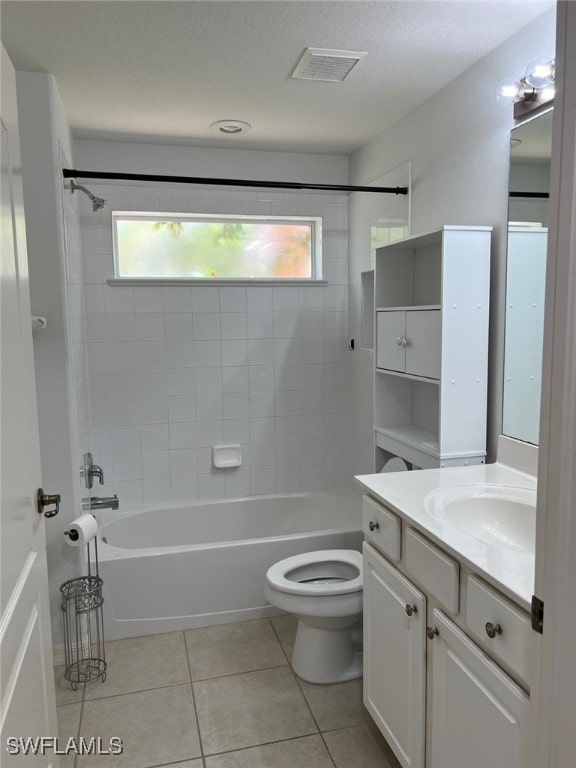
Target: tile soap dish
[[225, 456]]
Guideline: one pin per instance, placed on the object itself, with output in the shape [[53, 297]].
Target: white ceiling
[[163, 71]]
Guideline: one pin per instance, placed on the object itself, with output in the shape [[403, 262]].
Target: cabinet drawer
[[385, 535], [435, 571], [512, 647]]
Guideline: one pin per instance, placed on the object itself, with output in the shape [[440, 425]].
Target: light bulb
[[540, 72], [509, 91]]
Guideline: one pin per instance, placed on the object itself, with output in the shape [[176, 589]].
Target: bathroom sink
[[500, 515]]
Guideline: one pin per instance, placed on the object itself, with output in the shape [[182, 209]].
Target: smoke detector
[[230, 127], [326, 64]]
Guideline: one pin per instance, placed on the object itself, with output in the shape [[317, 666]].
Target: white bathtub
[[180, 567]]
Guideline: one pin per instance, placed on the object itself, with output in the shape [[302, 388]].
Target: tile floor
[[219, 697]]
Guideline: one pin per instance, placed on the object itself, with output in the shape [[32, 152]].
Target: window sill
[[153, 281]]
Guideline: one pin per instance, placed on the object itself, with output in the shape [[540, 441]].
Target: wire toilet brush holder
[[84, 652]]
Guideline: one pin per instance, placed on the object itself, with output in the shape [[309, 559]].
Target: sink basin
[[501, 515]]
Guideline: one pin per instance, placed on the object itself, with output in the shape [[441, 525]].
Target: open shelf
[[409, 434]]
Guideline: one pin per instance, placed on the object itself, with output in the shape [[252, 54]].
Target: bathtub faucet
[[101, 502]]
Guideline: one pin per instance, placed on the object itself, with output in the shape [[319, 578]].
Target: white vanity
[[448, 580]]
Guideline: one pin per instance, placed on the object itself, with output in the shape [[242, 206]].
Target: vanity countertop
[[509, 570]]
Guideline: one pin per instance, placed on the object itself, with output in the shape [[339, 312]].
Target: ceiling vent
[[326, 64]]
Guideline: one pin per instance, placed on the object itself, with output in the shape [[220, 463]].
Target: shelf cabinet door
[[479, 714], [395, 658], [390, 328], [423, 336]]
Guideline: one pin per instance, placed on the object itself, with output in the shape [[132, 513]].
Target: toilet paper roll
[[396, 464], [81, 531]]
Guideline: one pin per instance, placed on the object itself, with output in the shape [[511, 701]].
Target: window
[[176, 246]]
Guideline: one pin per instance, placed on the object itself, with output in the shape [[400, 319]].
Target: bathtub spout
[[101, 502]]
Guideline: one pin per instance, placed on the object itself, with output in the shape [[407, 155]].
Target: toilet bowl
[[324, 590]]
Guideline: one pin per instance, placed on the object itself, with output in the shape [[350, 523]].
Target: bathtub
[[181, 567]]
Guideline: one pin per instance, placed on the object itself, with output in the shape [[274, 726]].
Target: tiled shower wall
[[174, 371]]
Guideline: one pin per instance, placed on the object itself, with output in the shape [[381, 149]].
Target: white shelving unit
[[431, 295]]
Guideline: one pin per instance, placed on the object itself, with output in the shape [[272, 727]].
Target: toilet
[[324, 590]]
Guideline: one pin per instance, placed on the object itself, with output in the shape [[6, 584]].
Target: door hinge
[[537, 614]]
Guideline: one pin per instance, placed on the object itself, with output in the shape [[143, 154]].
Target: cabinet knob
[[373, 526], [399, 341], [411, 609], [432, 632], [493, 629]]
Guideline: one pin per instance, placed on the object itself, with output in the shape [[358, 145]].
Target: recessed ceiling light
[[326, 64], [230, 127]]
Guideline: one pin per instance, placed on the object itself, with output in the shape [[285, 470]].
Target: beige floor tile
[[335, 706], [140, 663], [357, 748], [156, 727], [251, 709], [68, 722], [230, 649], [199, 763], [285, 627], [308, 752], [64, 692]]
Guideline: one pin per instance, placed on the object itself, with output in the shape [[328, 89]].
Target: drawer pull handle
[[493, 629], [411, 609], [373, 526], [432, 632]]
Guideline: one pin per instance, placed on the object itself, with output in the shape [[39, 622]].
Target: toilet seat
[[343, 561]]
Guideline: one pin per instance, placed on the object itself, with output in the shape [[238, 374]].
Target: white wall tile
[[238, 431], [181, 381], [156, 491], [234, 353], [127, 466], [183, 463], [177, 299], [233, 325], [261, 404], [211, 487], [150, 325], [120, 327], [261, 352], [206, 325], [288, 479], [263, 456], [209, 433], [235, 378], [208, 380], [122, 355], [181, 408], [235, 405], [184, 488], [205, 299], [148, 299], [118, 299], [288, 454], [263, 481], [152, 382], [285, 299], [183, 435], [125, 439], [209, 406], [154, 437], [178, 325], [179, 354], [260, 325], [153, 410], [237, 484], [285, 325], [123, 383], [259, 299], [151, 354], [233, 299]]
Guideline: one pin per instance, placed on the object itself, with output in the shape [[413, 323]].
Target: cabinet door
[[423, 350], [390, 352], [479, 714], [395, 658]]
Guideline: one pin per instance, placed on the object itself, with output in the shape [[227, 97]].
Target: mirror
[[530, 151]]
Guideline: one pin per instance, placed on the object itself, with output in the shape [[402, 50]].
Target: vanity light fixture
[[534, 91]]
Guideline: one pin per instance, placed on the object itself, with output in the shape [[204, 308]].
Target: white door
[[395, 657], [423, 345], [390, 351], [27, 684], [479, 714]]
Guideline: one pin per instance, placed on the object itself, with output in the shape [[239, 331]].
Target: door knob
[[411, 609], [373, 526], [493, 629], [432, 632], [48, 500]]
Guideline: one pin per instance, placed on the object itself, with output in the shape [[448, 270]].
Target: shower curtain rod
[[537, 195], [70, 173]]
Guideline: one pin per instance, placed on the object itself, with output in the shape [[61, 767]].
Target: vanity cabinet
[[445, 655], [431, 297]]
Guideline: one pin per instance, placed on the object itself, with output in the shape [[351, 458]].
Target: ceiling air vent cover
[[326, 64]]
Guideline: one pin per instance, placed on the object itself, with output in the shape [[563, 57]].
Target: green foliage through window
[[176, 246]]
